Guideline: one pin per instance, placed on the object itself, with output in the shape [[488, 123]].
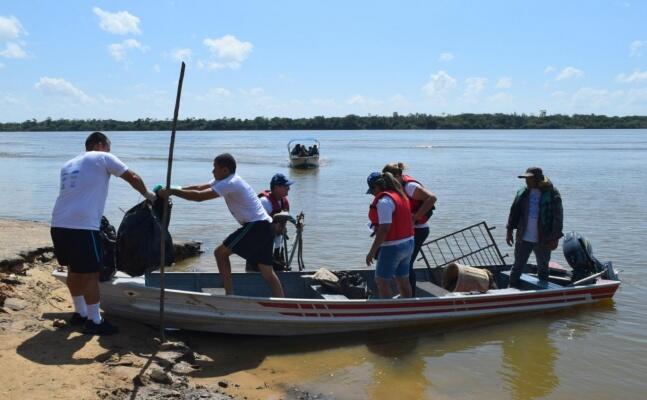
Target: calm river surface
[[596, 352]]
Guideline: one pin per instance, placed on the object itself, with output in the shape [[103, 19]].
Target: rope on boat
[[298, 243]]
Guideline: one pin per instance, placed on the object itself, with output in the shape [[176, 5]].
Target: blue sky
[[121, 59]]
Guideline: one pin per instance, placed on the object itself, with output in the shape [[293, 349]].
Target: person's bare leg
[[272, 280], [75, 283], [91, 292], [222, 254], [383, 287], [404, 286]]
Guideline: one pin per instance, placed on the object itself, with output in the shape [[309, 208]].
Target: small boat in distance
[[304, 155]]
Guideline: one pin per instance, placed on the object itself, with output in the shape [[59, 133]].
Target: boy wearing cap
[[254, 240], [275, 201], [537, 215]]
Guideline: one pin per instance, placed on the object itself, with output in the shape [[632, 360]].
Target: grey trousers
[[522, 250]]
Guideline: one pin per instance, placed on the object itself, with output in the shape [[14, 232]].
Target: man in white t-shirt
[[75, 225], [537, 215], [254, 240]]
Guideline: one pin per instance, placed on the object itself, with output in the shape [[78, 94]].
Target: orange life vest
[[401, 224], [416, 204], [277, 205]]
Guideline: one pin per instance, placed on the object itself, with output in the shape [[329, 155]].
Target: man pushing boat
[[254, 240]]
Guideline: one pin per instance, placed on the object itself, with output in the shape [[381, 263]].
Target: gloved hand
[[159, 186], [150, 196]]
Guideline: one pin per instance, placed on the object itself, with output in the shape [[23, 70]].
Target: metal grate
[[473, 246]]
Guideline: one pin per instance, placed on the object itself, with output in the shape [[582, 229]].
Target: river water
[[594, 352]]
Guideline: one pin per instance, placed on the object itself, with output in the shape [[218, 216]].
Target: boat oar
[[588, 278], [165, 209]]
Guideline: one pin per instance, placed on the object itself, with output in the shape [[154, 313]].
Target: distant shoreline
[[349, 122]]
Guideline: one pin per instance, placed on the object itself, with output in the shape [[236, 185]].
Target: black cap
[[373, 177], [535, 172], [280, 180]]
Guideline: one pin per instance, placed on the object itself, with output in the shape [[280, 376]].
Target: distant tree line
[[349, 122]]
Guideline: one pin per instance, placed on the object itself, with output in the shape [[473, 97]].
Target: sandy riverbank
[[41, 357]]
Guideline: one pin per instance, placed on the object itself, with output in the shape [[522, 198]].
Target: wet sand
[[41, 357]]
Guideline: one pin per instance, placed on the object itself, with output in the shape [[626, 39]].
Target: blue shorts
[[394, 260]]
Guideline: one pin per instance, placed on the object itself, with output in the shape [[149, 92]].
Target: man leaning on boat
[[254, 240], [537, 215]]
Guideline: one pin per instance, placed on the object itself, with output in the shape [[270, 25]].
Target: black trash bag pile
[[108, 236], [349, 283], [138, 239]]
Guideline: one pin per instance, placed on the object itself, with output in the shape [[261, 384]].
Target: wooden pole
[[165, 212]]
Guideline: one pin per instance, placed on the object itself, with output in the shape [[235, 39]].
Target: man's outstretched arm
[[189, 193], [137, 183]]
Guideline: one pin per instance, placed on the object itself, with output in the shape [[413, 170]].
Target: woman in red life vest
[[390, 217], [422, 203]]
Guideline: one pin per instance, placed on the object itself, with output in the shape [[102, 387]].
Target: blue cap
[[280, 180], [372, 178]]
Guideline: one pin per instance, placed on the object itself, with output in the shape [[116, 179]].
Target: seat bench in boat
[[532, 282], [320, 290]]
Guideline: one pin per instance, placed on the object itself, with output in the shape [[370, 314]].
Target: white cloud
[[13, 50], [182, 54], [475, 86], [569, 73], [227, 52], [253, 92], [61, 87], [110, 100], [119, 23], [504, 83], [500, 97], [10, 28], [439, 84], [323, 102], [635, 77], [446, 57], [156, 68], [637, 97], [119, 51], [359, 100], [214, 94], [549, 69], [399, 101], [591, 98], [635, 48]]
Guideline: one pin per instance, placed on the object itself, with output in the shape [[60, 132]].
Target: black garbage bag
[[352, 285], [349, 283], [108, 236], [138, 239]]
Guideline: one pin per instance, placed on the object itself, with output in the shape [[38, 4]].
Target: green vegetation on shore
[[349, 122]]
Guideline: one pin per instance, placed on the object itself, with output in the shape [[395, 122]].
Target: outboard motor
[[579, 255]]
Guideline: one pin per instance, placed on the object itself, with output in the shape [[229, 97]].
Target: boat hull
[[304, 162], [130, 298]]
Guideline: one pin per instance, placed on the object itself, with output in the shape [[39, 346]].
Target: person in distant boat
[[537, 215], [296, 150], [315, 150], [422, 202], [391, 220], [254, 240], [76, 220], [275, 201]]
